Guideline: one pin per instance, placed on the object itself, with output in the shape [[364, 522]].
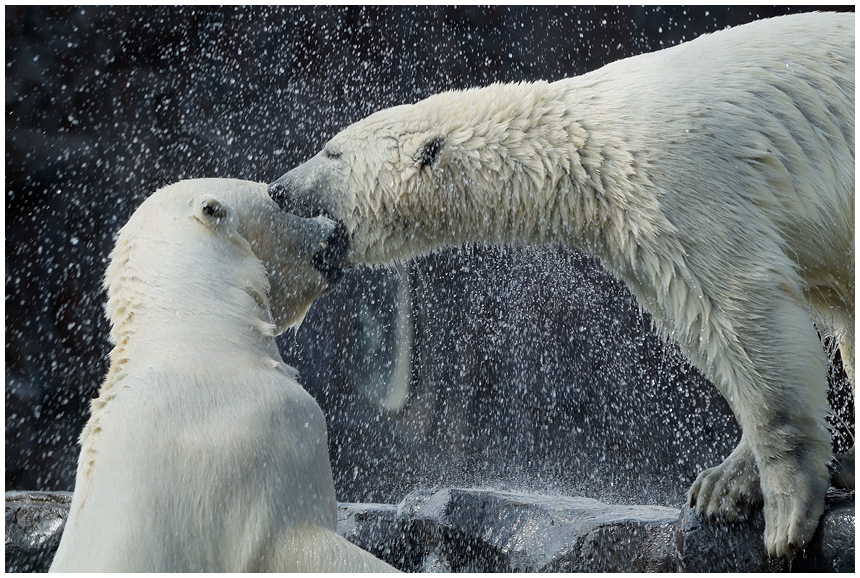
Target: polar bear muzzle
[[292, 192]]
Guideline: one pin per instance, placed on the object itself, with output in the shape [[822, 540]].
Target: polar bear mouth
[[329, 260]]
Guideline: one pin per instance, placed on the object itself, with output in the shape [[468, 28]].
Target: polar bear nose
[[281, 194]]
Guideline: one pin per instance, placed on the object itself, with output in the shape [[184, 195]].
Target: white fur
[[715, 178], [203, 453]]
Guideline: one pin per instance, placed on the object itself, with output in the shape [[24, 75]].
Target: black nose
[[279, 193], [291, 194]]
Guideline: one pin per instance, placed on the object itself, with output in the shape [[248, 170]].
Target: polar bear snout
[[297, 193], [290, 193]]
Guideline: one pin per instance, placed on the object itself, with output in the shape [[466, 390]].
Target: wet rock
[[487, 531], [833, 546], [705, 546], [474, 530], [374, 527], [34, 524]]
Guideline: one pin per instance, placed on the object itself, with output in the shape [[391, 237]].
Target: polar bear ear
[[428, 152]]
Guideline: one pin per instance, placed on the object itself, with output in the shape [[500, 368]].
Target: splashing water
[[520, 368]]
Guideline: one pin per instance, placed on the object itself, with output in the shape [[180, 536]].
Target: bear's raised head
[[202, 451], [379, 176], [218, 247]]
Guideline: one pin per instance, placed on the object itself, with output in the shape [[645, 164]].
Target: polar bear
[[202, 452], [715, 178]]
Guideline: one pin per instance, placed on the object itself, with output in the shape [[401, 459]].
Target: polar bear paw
[[730, 491], [793, 488], [793, 503]]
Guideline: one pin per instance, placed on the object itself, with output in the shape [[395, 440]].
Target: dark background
[[531, 369]]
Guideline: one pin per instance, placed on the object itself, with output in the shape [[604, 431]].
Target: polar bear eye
[[214, 209], [332, 152], [211, 212], [429, 151]]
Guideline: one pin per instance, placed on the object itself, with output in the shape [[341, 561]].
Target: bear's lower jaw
[[330, 260]]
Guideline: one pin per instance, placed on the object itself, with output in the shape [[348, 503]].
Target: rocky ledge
[[478, 530]]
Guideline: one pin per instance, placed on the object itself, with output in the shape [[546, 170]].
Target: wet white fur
[[203, 453], [715, 178]]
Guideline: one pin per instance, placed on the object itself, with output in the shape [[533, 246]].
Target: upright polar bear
[[715, 178], [203, 453]]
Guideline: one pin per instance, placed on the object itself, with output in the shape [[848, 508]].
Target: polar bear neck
[[160, 295], [565, 163]]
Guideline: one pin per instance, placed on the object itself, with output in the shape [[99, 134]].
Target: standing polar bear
[[202, 452], [715, 178]]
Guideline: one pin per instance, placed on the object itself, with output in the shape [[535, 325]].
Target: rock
[[34, 524], [479, 530], [489, 531], [833, 546], [374, 527], [704, 546]]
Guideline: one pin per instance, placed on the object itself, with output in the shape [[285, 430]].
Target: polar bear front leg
[[773, 372], [783, 417]]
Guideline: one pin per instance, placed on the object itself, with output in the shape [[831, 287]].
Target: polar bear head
[[213, 246], [412, 178]]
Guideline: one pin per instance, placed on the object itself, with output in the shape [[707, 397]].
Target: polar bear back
[[777, 125], [211, 435]]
